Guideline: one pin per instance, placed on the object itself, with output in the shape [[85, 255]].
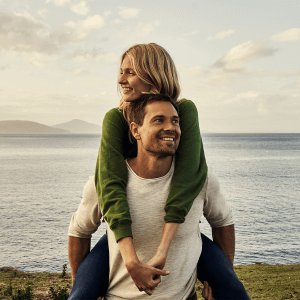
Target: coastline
[[262, 281]]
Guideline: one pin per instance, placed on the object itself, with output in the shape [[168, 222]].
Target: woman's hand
[[145, 277], [158, 260]]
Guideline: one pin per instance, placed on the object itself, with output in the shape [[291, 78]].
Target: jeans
[[92, 277]]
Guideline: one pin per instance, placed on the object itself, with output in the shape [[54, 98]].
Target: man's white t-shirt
[[147, 198]]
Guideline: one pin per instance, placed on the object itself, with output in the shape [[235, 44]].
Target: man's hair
[[135, 112], [154, 66]]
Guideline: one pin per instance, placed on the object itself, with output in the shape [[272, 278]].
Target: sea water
[[42, 176]]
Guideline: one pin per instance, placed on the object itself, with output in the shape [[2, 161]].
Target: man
[[155, 126]]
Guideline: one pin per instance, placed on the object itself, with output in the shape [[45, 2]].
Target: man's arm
[[78, 249], [84, 222], [219, 215], [225, 238]]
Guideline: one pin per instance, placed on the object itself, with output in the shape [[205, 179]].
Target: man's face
[[160, 132]]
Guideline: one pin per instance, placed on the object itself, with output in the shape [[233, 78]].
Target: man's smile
[[168, 139]]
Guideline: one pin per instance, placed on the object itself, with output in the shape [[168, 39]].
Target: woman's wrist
[[128, 253]]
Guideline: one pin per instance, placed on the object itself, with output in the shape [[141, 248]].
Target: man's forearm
[[225, 238], [78, 249]]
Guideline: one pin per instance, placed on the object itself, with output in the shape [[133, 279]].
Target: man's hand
[[207, 292], [145, 277]]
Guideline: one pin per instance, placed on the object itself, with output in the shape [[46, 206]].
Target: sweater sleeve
[[190, 167], [111, 173]]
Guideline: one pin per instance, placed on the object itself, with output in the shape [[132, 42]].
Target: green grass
[[267, 282]]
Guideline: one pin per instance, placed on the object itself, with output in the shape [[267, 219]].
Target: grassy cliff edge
[[262, 281]]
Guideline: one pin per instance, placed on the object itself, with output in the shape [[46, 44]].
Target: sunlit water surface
[[41, 180]]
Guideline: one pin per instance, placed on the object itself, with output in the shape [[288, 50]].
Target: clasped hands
[[147, 276]]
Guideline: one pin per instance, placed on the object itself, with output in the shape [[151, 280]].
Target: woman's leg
[[91, 280], [215, 268]]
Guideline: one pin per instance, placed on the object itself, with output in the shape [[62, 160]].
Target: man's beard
[[161, 148]]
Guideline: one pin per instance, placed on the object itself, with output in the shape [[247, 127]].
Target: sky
[[237, 60]]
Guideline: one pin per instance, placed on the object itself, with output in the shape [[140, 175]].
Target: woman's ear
[[134, 129]]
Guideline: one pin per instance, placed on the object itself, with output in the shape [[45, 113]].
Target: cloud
[[290, 35], [235, 59], [59, 2], [4, 67], [81, 29], [23, 33], [128, 12], [80, 8], [147, 28], [191, 33], [95, 53], [222, 34]]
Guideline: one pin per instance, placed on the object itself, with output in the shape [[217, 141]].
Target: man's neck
[[150, 166]]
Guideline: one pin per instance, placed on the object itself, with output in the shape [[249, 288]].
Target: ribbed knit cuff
[[121, 231], [173, 218]]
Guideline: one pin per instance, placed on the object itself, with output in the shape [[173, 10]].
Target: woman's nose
[[122, 78]]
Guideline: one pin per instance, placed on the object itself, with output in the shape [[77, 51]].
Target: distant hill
[[79, 126], [28, 127]]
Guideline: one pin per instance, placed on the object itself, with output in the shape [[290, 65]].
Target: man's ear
[[134, 129]]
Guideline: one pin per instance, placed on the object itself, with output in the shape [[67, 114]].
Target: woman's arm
[[111, 173], [187, 181], [190, 165], [160, 257]]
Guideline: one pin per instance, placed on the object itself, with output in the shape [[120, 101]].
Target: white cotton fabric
[[147, 198]]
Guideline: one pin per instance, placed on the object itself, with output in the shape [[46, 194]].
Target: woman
[[148, 68]]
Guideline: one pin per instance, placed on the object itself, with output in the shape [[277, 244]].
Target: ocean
[[42, 176]]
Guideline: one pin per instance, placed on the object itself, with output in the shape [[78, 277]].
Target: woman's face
[[131, 85]]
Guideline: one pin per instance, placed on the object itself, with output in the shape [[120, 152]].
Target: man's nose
[[170, 126]]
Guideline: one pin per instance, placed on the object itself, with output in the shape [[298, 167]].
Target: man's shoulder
[[211, 183], [89, 194]]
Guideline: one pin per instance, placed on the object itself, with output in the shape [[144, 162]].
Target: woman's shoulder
[[186, 105], [114, 116], [114, 112]]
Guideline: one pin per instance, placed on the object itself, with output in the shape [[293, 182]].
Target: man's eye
[[176, 121], [158, 120]]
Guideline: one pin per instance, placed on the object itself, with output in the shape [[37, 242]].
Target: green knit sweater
[[111, 171]]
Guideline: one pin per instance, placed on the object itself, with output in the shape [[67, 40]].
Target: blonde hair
[[154, 66]]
